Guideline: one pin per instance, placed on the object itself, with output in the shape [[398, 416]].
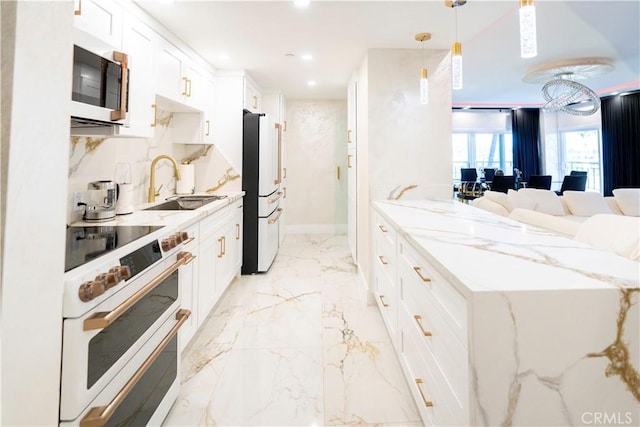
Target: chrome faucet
[[152, 176]]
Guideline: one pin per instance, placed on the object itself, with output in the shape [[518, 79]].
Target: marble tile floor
[[297, 346]]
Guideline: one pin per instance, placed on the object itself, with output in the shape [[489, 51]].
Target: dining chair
[[578, 173], [542, 182], [503, 183], [468, 175], [573, 183], [489, 173]]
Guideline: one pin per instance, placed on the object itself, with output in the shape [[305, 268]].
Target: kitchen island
[[500, 323]]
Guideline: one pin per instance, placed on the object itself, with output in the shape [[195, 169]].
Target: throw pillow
[[628, 199], [586, 203], [520, 200], [547, 201], [615, 233], [500, 198]]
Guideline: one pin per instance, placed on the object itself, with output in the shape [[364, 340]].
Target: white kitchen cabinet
[[208, 126], [426, 318], [352, 189], [252, 96], [189, 287], [100, 18], [139, 43], [179, 78], [208, 251]]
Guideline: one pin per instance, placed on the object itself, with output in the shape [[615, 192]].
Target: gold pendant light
[[528, 36], [424, 75], [456, 49]]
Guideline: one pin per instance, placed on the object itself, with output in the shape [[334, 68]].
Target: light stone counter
[[181, 218], [553, 325]]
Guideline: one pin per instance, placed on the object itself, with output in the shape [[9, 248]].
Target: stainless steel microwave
[[100, 88]]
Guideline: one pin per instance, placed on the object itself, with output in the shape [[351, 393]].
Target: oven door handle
[[99, 415], [103, 319]]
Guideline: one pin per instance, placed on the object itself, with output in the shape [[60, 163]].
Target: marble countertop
[[173, 218], [490, 253]]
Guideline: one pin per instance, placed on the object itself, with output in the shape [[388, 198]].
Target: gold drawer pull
[[383, 228], [426, 402], [418, 271], [418, 319], [383, 260], [384, 304]]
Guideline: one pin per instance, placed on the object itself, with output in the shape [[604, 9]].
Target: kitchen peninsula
[[500, 323]]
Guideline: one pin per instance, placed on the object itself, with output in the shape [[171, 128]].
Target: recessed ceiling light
[[307, 57], [311, 83], [301, 3], [290, 55]]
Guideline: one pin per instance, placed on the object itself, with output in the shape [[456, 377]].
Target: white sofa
[[611, 223]]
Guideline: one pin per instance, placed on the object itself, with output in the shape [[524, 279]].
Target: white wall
[[35, 138], [316, 146], [401, 142]]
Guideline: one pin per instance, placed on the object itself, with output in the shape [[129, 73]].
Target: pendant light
[[456, 49], [528, 42], [424, 74]]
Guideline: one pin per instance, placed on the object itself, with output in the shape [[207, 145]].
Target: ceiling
[[269, 39]]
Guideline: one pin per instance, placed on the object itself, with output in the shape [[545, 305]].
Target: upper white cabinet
[[252, 96], [100, 18], [139, 43], [208, 128], [178, 78]]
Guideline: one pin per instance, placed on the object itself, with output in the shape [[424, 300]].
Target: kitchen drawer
[[451, 305], [384, 254], [420, 318], [386, 298], [434, 398], [383, 229], [216, 220]]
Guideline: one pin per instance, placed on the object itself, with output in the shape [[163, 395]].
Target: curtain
[[620, 142], [525, 127]]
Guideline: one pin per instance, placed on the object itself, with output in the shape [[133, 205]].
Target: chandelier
[[456, 48], [561, 90]]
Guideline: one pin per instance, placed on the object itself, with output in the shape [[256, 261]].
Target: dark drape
[[620, 142], [525, 127]]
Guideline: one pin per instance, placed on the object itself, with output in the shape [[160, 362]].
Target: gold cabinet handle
[[79, 10], [384, 304], [100, 415], [237, 231], [285, 128], [418, 271], [184, 90], [255, 101], [418, 321], [275, 199], [274, 220], [349, 161], [278, 180], [349, 136], [155, 115], [220, 247], [419, 383], [208, 128], [103, 319], [338, 172], [284, 172], [284, 189], [121, 112], [189, 86], [382, 228], [224, 245], [383, 260]]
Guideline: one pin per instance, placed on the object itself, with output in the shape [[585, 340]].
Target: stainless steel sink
[[187, 203]]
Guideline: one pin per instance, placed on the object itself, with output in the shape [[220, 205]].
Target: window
[[482, 150], [579, 150]]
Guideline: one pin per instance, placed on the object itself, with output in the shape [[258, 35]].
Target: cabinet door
[[139, 43], [237, 240], [189, 290], [252, 97], [209, 249], [100, 18], [352, 111], [209, 110], [170, 83], [352, 203], [196, 89]]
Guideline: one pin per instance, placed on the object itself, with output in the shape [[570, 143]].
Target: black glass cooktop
[[84, 244]]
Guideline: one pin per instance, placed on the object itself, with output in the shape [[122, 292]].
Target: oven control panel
[[89, 285]]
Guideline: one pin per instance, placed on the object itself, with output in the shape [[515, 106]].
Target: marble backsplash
[[95, 158]]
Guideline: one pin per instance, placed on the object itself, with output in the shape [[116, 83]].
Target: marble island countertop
[[487, 252], [172, 218]]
